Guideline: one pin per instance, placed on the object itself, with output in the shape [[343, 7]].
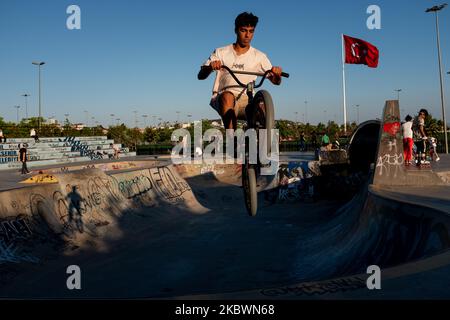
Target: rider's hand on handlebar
[[215, 65], [277, 71]]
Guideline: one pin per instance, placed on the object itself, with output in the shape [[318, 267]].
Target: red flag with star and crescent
[[358, 51]]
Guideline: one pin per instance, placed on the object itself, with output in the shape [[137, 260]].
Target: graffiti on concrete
[[135, 187], [9, 253], [8, 156], [83, 148], [390, 164], [14, 228], [167, 184]]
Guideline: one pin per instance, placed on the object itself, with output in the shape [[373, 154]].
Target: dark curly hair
[[245, 19], [425, 111]]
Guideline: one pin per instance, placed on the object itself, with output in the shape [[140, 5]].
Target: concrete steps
[[54, 150]]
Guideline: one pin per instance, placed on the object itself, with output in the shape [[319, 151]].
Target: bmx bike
[[259, 114]]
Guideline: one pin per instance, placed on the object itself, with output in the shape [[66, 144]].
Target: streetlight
[[178, 116], [135, 119], [154, 120], [306, 111], [87, 118], [39, 64], [26, 95], [436, 9], [112, 118], [296, 116], [118, 120], [398, 94], [357, 114], [17, 107]]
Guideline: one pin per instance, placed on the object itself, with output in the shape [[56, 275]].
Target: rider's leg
[[227, 102]]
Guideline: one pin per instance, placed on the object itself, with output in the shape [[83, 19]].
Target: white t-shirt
[[32, 132], [407, 129], [253, 61]]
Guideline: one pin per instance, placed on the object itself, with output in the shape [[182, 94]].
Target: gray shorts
[[239, 104]]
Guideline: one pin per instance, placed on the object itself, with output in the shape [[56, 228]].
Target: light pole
[[154, 120], [118, 120], [87, 118], [17, 107], [357, 114], [306, 111], [135, 119], [296, 117], [26, 95], [67, 117], [398, 94], [93, 120], [39, 64], [112, 118], [436, 9], [178, 116]]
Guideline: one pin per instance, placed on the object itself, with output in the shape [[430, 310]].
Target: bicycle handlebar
[[258, 74]]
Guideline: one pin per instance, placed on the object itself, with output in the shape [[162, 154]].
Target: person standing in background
[[23, 158], [407, 140]]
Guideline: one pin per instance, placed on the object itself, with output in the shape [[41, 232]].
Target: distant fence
[[154, 149]]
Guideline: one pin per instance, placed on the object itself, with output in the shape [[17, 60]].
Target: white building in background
[[51, 121], [78, 126]]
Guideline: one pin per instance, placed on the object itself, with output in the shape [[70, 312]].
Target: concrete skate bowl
[[170, 231]]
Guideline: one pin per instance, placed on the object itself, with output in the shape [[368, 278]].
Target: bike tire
[[264, 101], [249, 186]]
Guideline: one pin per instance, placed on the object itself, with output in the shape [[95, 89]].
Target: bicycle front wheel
[[249, 186], [265, 114]]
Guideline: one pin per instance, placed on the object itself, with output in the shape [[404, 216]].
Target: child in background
[[433, 147], [407, 140]]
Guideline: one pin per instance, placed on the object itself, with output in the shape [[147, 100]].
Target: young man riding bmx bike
[[238, 65], [228, 99]]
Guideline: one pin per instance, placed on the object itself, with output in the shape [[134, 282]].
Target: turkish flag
[[358, 51]]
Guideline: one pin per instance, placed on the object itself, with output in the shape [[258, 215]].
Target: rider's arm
[[205, 71]]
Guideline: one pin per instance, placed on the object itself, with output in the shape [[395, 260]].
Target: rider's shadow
[[75, 211]]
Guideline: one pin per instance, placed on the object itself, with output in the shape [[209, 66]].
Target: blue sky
[[145, 55]]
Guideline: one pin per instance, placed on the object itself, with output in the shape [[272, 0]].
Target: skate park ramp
[[163, 231]]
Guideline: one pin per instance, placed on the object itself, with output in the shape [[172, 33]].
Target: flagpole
[[343, 85]]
